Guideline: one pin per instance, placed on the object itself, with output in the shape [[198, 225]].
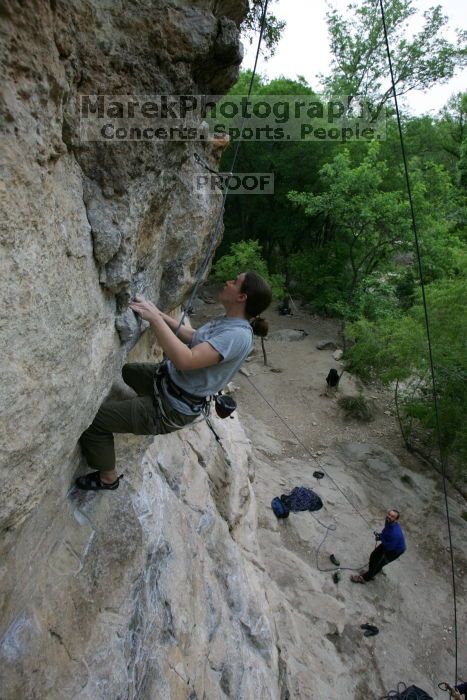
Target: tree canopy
[[359, 59], [338, 233]]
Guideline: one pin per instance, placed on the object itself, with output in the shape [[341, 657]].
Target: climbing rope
[[427, 326], [202, 162], [302, 444], [215, 235], [333, 526]]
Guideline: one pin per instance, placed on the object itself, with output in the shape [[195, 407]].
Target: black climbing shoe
[[318, 474], [334, 560], [92, 482], [370, 630], [336, 577]]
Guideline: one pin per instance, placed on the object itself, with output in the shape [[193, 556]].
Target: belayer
[[172, 394], [391, 545]]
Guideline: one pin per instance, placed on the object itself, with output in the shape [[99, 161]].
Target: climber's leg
[[140, 416], [140, 376], [137, 416]]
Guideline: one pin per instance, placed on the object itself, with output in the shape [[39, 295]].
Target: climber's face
[[231, 292], [392, 516]]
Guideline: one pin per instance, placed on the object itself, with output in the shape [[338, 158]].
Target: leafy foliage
[[359, 51], [356, 407], [272, 29], [365, 223], [244, 256], [295, 165], [338, 229], [396, 349]]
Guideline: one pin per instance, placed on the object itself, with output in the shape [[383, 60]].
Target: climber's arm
[[183, 358], [185, 333]]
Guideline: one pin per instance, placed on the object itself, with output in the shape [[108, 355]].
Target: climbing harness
[[161, 380], [199, 405]]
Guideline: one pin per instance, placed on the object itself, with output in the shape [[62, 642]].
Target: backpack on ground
[[279, 508], [413, 692], [301, 498]]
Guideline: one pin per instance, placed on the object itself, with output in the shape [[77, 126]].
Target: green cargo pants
[[148, 414]]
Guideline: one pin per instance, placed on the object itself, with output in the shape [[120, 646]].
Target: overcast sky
[[304, 47]]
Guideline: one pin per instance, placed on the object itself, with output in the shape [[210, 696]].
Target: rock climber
[[391, 545], [172, 394]]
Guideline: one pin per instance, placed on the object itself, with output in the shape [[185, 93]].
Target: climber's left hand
[[146, 309]]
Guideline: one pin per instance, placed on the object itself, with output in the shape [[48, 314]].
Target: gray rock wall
[[155, 591], [86, 224]]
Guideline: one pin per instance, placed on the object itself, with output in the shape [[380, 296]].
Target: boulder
[[326, 345], [285, 335]]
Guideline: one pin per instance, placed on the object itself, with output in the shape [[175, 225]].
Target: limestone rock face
[[87, 224], [153, 591]]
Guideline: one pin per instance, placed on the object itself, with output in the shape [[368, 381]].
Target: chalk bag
[[225, 405]]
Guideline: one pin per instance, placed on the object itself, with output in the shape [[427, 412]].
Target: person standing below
[[391, 545], [173, 394]]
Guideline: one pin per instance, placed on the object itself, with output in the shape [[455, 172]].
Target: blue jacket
[[392, 538]]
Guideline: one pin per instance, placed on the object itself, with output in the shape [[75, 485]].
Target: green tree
[[439, 214], [243, 256], [396, 349], [295, 165], [453, 123], [365, 223], [360, 65], [273, 28]]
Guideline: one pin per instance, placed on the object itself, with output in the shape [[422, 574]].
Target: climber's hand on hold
[[146, 309]]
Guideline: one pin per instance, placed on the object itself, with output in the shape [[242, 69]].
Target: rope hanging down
[[214, 237], [427, 326], [333, 526], [309, 453]]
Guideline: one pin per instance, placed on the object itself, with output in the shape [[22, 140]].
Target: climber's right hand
[[146, 309]]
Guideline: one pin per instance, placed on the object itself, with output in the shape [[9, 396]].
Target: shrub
[[356, 407], [243, 256], [395, 348]]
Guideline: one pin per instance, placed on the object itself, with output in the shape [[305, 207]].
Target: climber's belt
[[176, 391], [179, 393]]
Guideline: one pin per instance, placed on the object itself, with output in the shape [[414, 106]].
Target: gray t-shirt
[[233, 339]]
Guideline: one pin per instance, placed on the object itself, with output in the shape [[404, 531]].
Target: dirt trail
[[367, 471]]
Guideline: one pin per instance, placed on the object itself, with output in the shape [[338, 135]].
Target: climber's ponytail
[[258, 297], [260, 326]]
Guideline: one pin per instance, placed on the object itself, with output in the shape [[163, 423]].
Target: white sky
[[304, 47]]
